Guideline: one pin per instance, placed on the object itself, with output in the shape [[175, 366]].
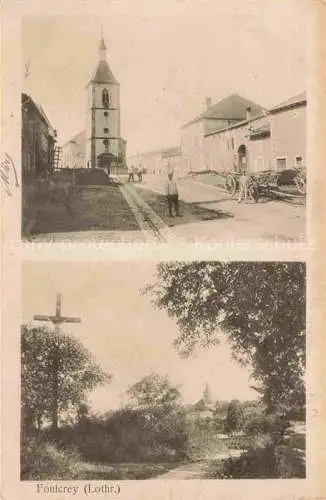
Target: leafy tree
[[258, 306], [234, 418], [160, 404], [57, 371], [154, 391]]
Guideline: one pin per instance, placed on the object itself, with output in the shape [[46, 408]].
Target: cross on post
[[56, 319]]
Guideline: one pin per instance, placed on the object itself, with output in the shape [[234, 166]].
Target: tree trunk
[[55, 389]]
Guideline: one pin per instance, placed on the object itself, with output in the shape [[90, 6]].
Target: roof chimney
[[248, 113], [208, 102]]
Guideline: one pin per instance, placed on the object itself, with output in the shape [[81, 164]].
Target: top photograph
[[184, 126]]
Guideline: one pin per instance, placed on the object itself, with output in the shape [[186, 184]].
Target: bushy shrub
[[43, 460], [256, 463], [290, 462], [261, 424], [129, 435]]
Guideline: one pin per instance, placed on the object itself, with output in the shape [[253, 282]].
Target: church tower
[[103, 141]]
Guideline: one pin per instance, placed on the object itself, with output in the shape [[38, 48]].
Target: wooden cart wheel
[[231, 185]]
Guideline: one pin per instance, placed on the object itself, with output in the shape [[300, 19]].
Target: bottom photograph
[[163, 370]]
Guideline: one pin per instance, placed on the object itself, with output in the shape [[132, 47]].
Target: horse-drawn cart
[[266, 183]]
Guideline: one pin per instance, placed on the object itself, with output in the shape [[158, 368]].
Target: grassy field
[[80, 208]]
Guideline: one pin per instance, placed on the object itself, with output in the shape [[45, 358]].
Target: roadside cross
[[57, 319]]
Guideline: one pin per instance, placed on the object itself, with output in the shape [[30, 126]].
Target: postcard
[[162, 279]]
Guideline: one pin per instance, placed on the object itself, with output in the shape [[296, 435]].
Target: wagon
[[259, 185], [266, 183]]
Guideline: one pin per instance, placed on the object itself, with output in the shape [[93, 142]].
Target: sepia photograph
[[166, 125], [163, 370], [161, 270]]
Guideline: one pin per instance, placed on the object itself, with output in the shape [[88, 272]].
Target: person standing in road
[[140, 173], [243, 186], [172, 195], [131, 174], [134, 173]]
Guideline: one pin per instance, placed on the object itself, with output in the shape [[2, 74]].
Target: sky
[[168, 57], [127, 336]]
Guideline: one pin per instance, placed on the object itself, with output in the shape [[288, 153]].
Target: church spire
[[102, 73], [102, 49]]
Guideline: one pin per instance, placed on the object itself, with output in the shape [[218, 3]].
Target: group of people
[[133, 172]]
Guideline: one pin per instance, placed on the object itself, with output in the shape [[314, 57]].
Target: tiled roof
[[79, 138], [26, 99], [235, 124], [233, 107], [293, 101], [103, 74]]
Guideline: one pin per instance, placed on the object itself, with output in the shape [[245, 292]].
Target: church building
[[103, 115], [100, 145]]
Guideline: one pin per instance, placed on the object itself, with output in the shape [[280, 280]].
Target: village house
[[39, 140], [275, 139], [221, 116], [74, 152], [236, 133], [288, 122], [159, 162]]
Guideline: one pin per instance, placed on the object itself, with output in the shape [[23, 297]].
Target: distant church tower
[[103, 141]]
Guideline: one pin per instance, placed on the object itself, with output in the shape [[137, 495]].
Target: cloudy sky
[[168, 56], [126, 335]]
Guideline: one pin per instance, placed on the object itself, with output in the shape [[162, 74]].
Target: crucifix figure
[[56, 320]]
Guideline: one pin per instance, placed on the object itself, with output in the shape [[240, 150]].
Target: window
[[232, 142], [105, 98], [280, 163], [106, 113], [106, 130], [298, 161]]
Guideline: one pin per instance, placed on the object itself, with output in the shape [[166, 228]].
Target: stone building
[[246, 145], [220, 116], [288, 123], [159, 162], [272, 140], [236, 133], [39, 139], [74, 152]]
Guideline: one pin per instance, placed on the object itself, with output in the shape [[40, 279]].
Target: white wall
[[221, 149], [192, 147], [289, 131]]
